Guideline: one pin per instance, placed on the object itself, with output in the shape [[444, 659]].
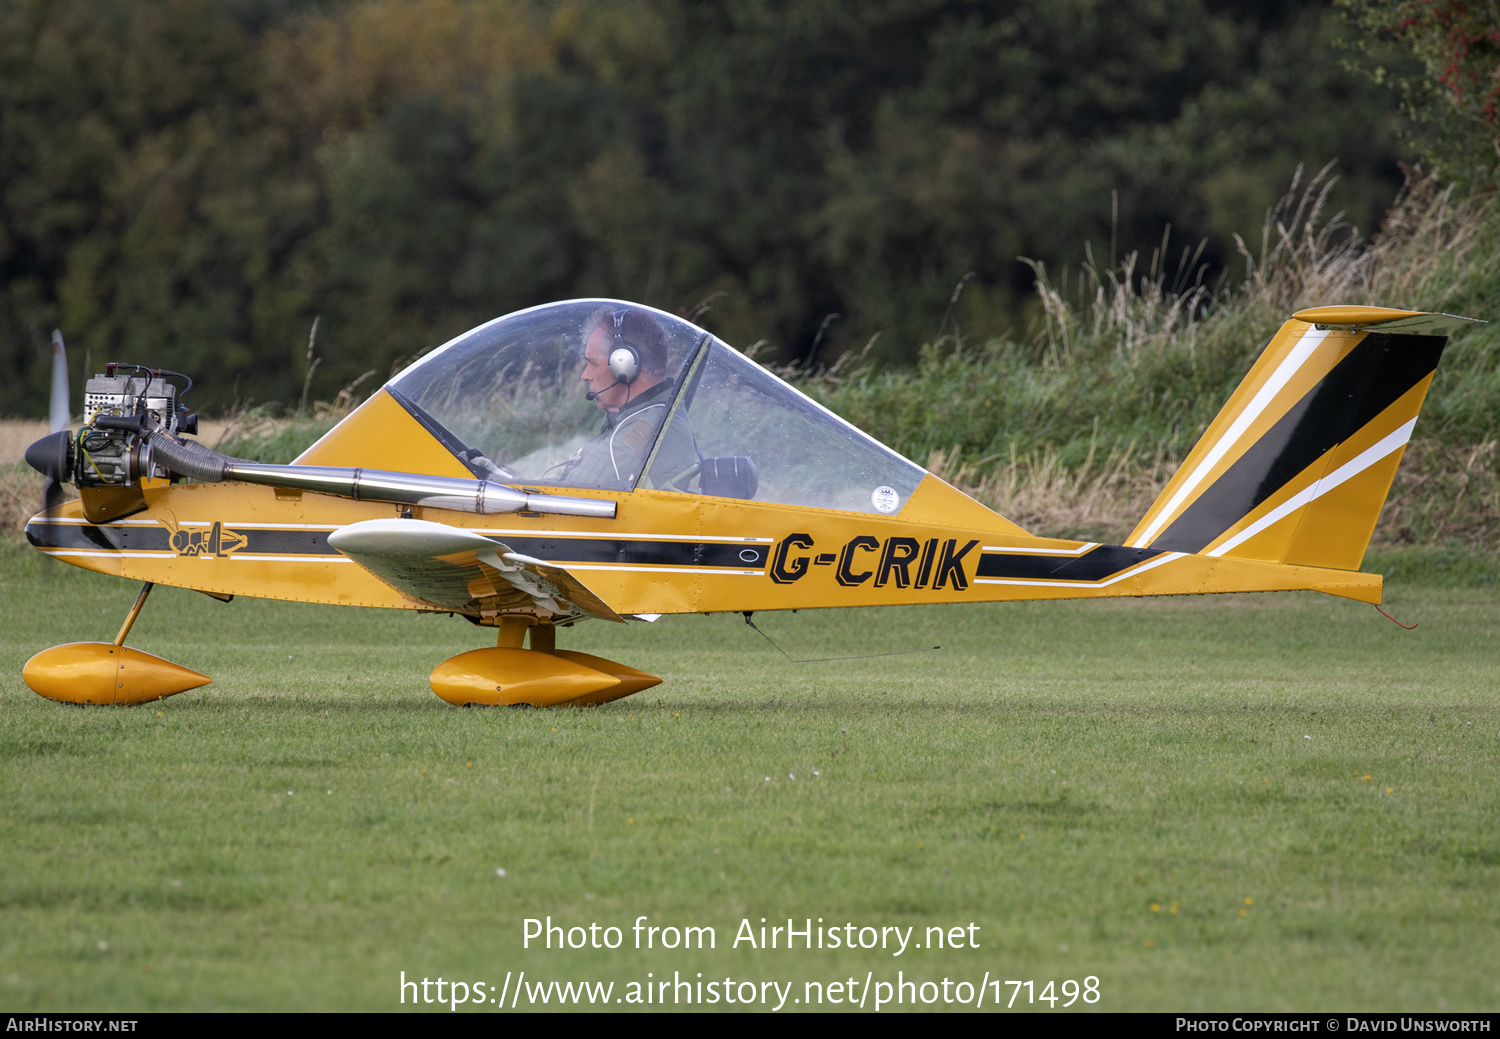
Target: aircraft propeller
[[52, 455], [59, 413]]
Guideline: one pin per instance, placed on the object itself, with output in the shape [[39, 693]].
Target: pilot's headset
[[624, 360]]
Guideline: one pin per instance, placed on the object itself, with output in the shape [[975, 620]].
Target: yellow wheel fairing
[[97, 673], [512, 677], [629, 680]]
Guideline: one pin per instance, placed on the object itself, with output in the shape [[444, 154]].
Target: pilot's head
[[624, 354]]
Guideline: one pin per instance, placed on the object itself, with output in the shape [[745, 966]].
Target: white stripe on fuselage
[[1011, 550]]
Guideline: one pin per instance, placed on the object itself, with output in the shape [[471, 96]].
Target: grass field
[[1266, 802]]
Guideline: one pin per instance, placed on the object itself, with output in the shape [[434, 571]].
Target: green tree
[[190, 183], [1443, 56]]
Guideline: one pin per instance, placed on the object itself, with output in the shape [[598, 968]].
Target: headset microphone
[[592, 394]]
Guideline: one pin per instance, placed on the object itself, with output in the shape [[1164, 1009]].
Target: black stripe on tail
[[1370, 379]]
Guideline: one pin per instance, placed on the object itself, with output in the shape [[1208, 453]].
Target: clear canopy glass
[[512, 400]]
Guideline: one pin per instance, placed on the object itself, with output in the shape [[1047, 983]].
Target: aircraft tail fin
[[1297, 465]]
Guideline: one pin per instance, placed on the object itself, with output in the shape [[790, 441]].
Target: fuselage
[[663, 553]]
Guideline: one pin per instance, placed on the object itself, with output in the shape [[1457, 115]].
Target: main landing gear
[[90, 673], [542, 676], [93, 673]]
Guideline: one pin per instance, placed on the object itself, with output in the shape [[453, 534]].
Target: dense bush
[[1443, 57]]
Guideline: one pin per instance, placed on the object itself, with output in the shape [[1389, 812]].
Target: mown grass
[[1052, 774]]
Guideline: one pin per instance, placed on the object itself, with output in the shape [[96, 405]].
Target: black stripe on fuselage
[[740, 556], [42, 534], [642, 553], [1094, 565], [287, 542], [158, 539], [1374, 375]]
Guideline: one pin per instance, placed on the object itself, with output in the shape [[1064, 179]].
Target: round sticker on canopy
[[885, 499]]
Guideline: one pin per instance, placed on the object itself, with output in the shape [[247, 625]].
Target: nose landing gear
[[91, 673]]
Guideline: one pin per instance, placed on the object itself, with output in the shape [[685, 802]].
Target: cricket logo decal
[[216, 541]]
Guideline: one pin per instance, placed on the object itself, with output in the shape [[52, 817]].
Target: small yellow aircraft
[[601, 459]]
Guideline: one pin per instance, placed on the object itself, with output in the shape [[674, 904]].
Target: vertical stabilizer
[[1297, 465]]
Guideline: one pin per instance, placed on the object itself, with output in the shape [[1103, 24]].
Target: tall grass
[[263, 434], [1075, 427]]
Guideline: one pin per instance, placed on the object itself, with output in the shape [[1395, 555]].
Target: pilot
[[625, 370]]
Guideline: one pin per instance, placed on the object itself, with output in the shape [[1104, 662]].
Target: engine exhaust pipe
[[197, 462]]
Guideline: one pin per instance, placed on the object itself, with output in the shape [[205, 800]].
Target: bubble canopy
[[611, 395]]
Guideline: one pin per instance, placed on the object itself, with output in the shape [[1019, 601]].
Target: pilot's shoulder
[[637, 429]]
